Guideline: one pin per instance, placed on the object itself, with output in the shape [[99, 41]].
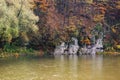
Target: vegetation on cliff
[[43, 24]]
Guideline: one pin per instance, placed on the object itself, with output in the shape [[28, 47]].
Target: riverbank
[[40, 53], [21, 52], [112, 53], [24, 52]]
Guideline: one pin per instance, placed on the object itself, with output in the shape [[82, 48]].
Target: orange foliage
[[99, 7], [42, 4], [86, 41], [16, 55], [98, 18]]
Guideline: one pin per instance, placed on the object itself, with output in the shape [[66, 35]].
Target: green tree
[[16, 18]]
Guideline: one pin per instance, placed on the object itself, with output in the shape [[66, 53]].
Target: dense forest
[[28, 25]]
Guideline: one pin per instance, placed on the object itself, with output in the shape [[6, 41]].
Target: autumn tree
[[17, 20], [46, 24]]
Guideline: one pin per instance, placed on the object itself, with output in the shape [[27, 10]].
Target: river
[[70, 67]]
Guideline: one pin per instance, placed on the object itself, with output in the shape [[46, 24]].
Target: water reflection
[[73, 61], [83, 67], [61, 67]]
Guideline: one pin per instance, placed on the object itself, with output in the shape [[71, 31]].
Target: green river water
[[61, 68]]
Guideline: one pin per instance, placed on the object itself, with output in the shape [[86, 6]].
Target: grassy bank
[[112, 53], [18, 52], [22, 51]]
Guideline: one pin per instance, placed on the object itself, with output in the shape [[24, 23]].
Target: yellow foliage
[[113, 29], [87, 41], [16, 55], [89, 1], [115, 42], [72, 28], [14, 18], [118, 46], [118, 2], [98, 18], [24, 36]]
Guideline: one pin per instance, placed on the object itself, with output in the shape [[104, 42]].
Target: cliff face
[[62, 19]]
